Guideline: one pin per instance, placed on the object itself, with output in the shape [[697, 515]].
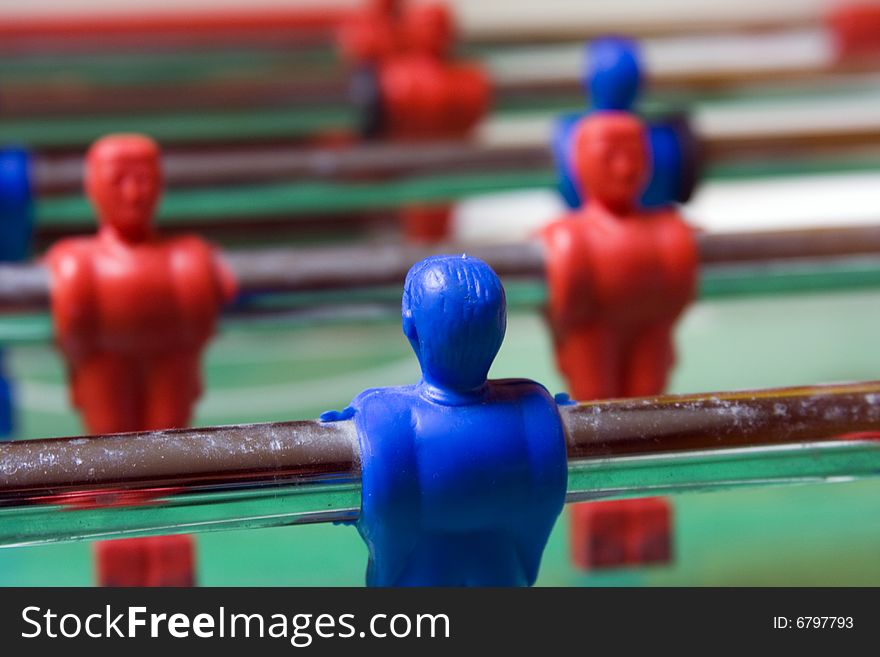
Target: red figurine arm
[[567, 272], [226, 278], [203, 283], [681, 259], [72, 299]]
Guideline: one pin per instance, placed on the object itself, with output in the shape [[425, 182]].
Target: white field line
[[719, 53], [723, 206], [485, 17], [488, 17], [845, 112]]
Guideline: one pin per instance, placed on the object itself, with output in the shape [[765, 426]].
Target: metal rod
[[218, 28], [273, 89], [213, 166], [289, 27], [291, 88], [728, 248], [744, 77], [189, 167], [285, 270], [285, 84], [265, 475]]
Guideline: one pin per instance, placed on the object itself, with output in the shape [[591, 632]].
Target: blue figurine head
[[613, 73], [613, 79], [454, 315]]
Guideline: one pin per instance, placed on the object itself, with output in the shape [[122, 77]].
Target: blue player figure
[[16, 224], [463, 478], [613, 80]]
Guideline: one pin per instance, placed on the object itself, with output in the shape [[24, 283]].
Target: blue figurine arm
[[389, 484], [542, 492], [563, 129], [388, 522], [346, 413]]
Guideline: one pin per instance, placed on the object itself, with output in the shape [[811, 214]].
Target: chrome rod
[[275, 474]]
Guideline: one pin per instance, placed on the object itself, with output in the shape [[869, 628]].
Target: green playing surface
[[827, 535]]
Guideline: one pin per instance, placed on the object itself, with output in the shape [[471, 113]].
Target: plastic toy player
[[16, 227], [463, 478], [409, 87], [133, 312], [613, 79], [618, 277]]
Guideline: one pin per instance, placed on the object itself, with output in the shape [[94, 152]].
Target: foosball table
[[322, 172]]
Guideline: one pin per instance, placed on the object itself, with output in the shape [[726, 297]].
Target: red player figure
[[133, 312], [386, 28], [416, 90], [425, 94], [618, 277]]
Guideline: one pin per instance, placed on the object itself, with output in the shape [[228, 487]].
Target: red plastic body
[[618, 279], [424, 93], [856, 29], [386, 28], [132, 310], [426, 224], [425, 97], [370, 34], [861, 435], [621, 533], [132, 313], [153, 561]]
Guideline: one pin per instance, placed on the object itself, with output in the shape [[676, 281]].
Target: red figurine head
[[429, 29], [372, 33], [611, 159], [124, 182]]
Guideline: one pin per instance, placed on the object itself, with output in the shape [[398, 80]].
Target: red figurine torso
[[425, 97], [616, 287], [132, 321], [639, 268], [145, 299]]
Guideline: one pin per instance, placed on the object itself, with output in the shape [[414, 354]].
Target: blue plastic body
[[16, 230], [16, 204], [668, 167], [462, 478], [614, 79], [563, 131], [7, 413], [613, 73]]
